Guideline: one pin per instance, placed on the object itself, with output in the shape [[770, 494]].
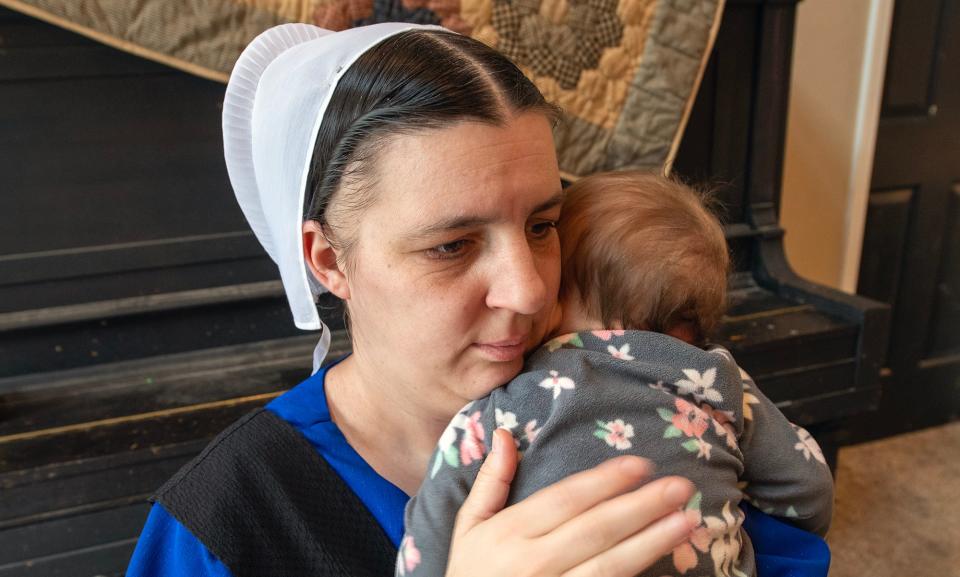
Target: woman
[[426, 199]]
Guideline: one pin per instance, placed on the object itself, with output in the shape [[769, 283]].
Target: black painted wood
[[115, 197], [112, 173], [81, 450], [716, 142], [911, 252], [50, 265], [108, 338], [741, 111], [945, 336], [912, 72], [108, 530], [888, 213]]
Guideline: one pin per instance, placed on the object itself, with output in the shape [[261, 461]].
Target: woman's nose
[[516, 283]]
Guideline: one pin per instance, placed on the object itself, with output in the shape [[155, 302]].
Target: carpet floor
[[897, 511]]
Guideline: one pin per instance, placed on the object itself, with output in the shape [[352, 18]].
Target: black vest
[[262, 500]]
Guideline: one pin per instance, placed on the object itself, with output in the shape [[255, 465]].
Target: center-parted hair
[[413, 81], [645, 251]]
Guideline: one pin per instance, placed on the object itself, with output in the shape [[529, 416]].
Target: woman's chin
[[495, 374]]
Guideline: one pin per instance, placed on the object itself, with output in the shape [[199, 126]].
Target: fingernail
[[497, 443], [677, 492], [679, 524], [693, 518]]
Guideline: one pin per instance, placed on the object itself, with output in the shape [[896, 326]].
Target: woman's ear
[[322, 260]]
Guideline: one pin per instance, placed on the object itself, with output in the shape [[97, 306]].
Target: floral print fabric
[[587, 397]]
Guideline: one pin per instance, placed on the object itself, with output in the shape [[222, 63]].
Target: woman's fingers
[[606, 525], [553, 506], [492, 485], [592, 523], [639, 552]]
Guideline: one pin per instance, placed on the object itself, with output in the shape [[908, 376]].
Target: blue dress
[[167, 548]]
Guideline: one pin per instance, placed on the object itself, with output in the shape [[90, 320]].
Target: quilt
[[624, 72]]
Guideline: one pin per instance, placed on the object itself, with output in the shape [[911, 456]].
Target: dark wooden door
[[911, 250]]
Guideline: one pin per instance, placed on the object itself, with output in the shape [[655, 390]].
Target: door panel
[[911, 250], [945, 332]]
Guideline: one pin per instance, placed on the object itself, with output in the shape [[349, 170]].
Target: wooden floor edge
[[136, 417]]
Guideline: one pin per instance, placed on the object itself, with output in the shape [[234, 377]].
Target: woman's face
[[456, 266]]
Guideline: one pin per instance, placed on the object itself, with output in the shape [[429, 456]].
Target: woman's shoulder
[[166, 547], [193, 507], [239, 445], [263, 500], [256, 450], [262, 436]]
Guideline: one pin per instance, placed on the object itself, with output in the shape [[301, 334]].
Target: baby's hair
[[644, 251]]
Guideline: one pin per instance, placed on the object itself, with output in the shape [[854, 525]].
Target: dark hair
[[644, 250], [413, 81]]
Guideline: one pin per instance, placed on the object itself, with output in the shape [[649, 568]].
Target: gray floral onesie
[[586, 397]]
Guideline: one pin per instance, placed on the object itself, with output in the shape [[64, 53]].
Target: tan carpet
[[898, 507]]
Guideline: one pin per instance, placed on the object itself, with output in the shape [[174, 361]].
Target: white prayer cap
[[275, 101]]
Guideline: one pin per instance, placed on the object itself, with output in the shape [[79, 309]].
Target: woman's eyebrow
[[462, 222], [551, 202], [447, 225]]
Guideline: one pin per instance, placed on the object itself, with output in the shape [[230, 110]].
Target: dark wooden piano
[[138, 316]]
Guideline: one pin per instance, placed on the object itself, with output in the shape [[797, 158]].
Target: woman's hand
[[589, 524]]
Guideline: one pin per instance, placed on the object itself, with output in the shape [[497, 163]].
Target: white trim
[[865, 139]]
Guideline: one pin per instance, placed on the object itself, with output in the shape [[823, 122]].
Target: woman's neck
[[392, 433]]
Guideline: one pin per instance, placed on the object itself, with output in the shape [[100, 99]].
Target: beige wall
[[839, 56]]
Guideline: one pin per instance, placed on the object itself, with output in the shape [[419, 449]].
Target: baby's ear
[[685, 331], [321, 259]]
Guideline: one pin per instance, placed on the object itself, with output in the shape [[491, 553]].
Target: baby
[[644, 283]]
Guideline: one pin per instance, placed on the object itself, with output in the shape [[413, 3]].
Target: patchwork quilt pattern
[[624, 72]]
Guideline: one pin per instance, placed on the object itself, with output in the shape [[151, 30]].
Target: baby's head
[[641, 251]]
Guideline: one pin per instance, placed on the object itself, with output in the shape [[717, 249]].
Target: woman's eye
[[447, 250], [542, 229]]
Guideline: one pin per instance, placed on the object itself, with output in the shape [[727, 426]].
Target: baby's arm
[[430, 514], [784, 469]]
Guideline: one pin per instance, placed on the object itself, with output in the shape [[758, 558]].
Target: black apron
[[262, 500]]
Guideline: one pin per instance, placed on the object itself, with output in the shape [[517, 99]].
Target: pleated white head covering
[[272, 111]]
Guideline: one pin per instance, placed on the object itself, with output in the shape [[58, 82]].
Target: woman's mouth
[[503, 351]]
